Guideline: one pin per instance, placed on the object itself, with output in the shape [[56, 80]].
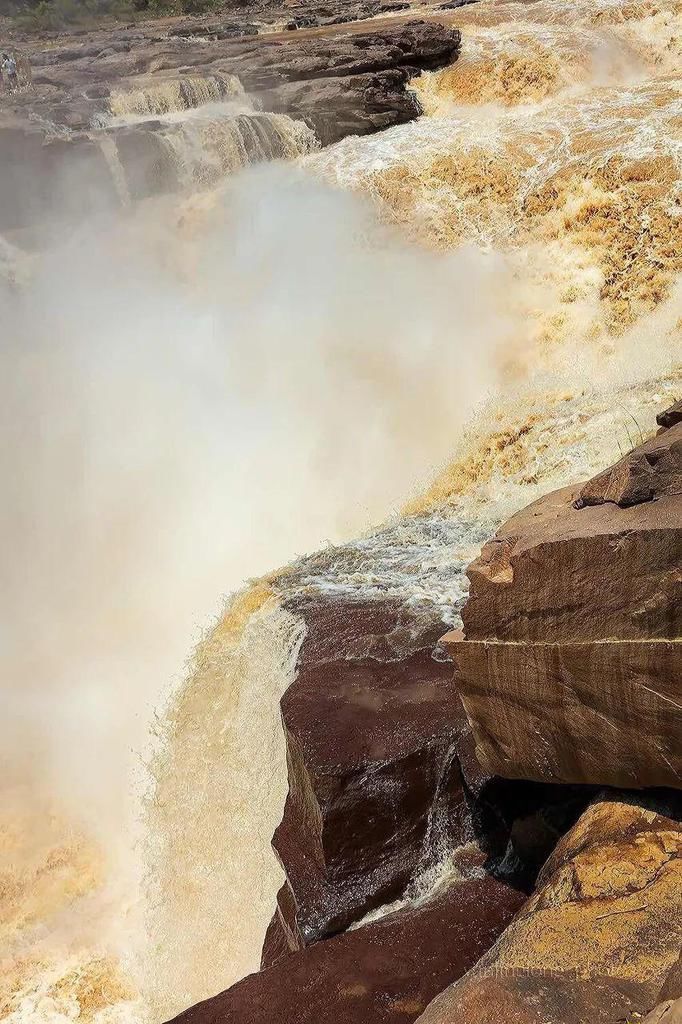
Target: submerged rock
[[600, 936], [570, 667]]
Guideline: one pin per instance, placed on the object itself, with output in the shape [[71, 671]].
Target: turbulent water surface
[[426, 328]]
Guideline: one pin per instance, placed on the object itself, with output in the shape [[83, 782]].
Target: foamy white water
[[271, 371]]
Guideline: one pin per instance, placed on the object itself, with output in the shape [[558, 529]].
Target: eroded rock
[[105, 105], [599, 936]]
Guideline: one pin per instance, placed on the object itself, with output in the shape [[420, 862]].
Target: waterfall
[[154, 98], [202, 149]]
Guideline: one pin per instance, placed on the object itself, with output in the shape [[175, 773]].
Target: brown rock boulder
[[371, 723], [557, 573], [385, 972], [570, 668], [669, 417], [598, 938], [651, 471]]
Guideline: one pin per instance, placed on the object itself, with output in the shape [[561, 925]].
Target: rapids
[[553, 146]]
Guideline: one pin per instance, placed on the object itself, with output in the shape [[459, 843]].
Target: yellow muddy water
[[554, 146]]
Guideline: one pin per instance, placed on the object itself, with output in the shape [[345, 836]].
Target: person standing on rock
[[9, 69]]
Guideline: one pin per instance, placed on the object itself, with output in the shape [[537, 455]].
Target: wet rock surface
[[383, 973], [371, 725]]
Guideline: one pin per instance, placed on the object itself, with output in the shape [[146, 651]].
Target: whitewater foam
[[555, 142]]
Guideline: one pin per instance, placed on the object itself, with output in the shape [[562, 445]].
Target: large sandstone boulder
[[382, 973], [570, 666], [597, 940]]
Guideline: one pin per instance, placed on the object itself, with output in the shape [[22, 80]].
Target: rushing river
[[427, 328]]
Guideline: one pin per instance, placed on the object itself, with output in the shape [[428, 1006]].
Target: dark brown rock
[[385, 972], [383, 781], [371, 724], [354, 105], [670, 417]]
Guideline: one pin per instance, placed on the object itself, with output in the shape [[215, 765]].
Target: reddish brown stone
[[382, 973], [555, 573], [371, 723], [570, 667]]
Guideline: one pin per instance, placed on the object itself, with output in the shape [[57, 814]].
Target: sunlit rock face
[[600, 936], [571, 663]]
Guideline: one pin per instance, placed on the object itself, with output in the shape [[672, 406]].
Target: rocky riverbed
[[115, 116]]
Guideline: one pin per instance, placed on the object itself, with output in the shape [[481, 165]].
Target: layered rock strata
[[570, 664], [94, 133]]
